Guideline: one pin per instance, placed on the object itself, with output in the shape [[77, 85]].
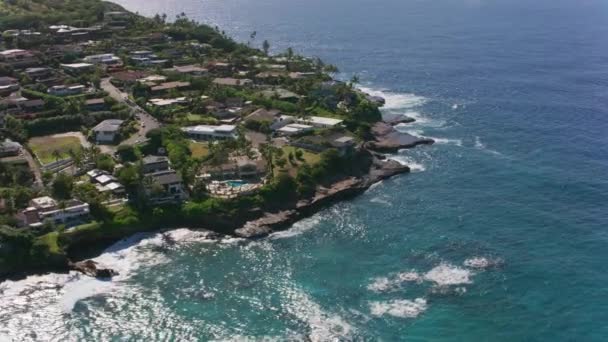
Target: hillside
[[24, 14]]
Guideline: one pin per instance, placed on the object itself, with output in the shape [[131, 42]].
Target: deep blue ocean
[[499, 234]]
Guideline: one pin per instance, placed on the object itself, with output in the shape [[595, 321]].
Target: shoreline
[[78, 256]]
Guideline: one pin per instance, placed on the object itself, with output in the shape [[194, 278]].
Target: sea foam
[[446, 274], [401, 308]]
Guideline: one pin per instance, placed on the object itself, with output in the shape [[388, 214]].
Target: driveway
[[146, 121]]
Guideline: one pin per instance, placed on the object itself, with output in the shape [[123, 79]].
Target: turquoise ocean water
[[499, 234]]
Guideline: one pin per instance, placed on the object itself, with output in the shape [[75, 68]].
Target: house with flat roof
[[18, 58], [77, 68], [66, 90], [151, 164], [103, 59], [107, 131], [46, 209], [192, 70], [169, 85], [209, 132], [8, 85], [232, 82], [105, 182], [318, 121], [168, 102], [281, 94]]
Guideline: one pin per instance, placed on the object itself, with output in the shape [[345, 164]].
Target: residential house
[[18, 58], [232, 82], [46, 209], [9, 148], [281, 94], [66, 90], [318, 121], [151, 164], [107, 131], [107, 59], [238, 167], [163, 87], [273, 118], [8, 85], [95, 105], [209, 132], [105, 183], [77, 68], [294, 129], [165, 187], [319, 143], [191, 70], [38, 73], [301, 75], [168, 102], [129, 77]]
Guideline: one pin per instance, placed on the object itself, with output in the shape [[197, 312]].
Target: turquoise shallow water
[[499, 234]]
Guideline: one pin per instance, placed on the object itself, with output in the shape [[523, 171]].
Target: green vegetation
[[290, 174], [49, 149], [199, 150]]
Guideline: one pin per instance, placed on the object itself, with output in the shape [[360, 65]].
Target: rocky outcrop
[[266, 224], [388, 139], [92, 269], [324, 196], [398, 119]]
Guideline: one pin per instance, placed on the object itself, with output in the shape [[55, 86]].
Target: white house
[[63, 90], [104, 58], [107, 130], [45, 208], [208, 132]]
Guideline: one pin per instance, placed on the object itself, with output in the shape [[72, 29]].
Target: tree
[[290, 53], [266, 47], [354, 81], [105, 162], [56, 154], [62, 186]]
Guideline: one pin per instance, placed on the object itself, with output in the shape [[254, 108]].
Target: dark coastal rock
[[388, 139], [92, 269], [266, 224], [383, 169], [394, 120]]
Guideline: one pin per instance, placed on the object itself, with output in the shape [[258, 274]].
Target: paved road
[[34, 166], [146, 121]]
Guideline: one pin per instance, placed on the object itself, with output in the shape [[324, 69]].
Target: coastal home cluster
[[117, 120]]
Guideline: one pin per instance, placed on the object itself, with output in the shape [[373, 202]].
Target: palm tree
[[354, 81], [56, 154], [266, 47], [289, 53]]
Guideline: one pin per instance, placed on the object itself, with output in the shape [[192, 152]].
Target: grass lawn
[[198, 149], [45, 147], [308, 157]]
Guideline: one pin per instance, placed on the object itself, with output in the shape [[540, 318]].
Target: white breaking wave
[[401, 308], [298, 228], [324, 326], [384, 284], [381, 200], [481, 146], [407, 161], [446, 274], [396, 100], [481, 262], [404, 128]]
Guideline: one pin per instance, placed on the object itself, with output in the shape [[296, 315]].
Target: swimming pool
[[235, 183]]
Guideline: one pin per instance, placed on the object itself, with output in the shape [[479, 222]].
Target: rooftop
[[112, 125]]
